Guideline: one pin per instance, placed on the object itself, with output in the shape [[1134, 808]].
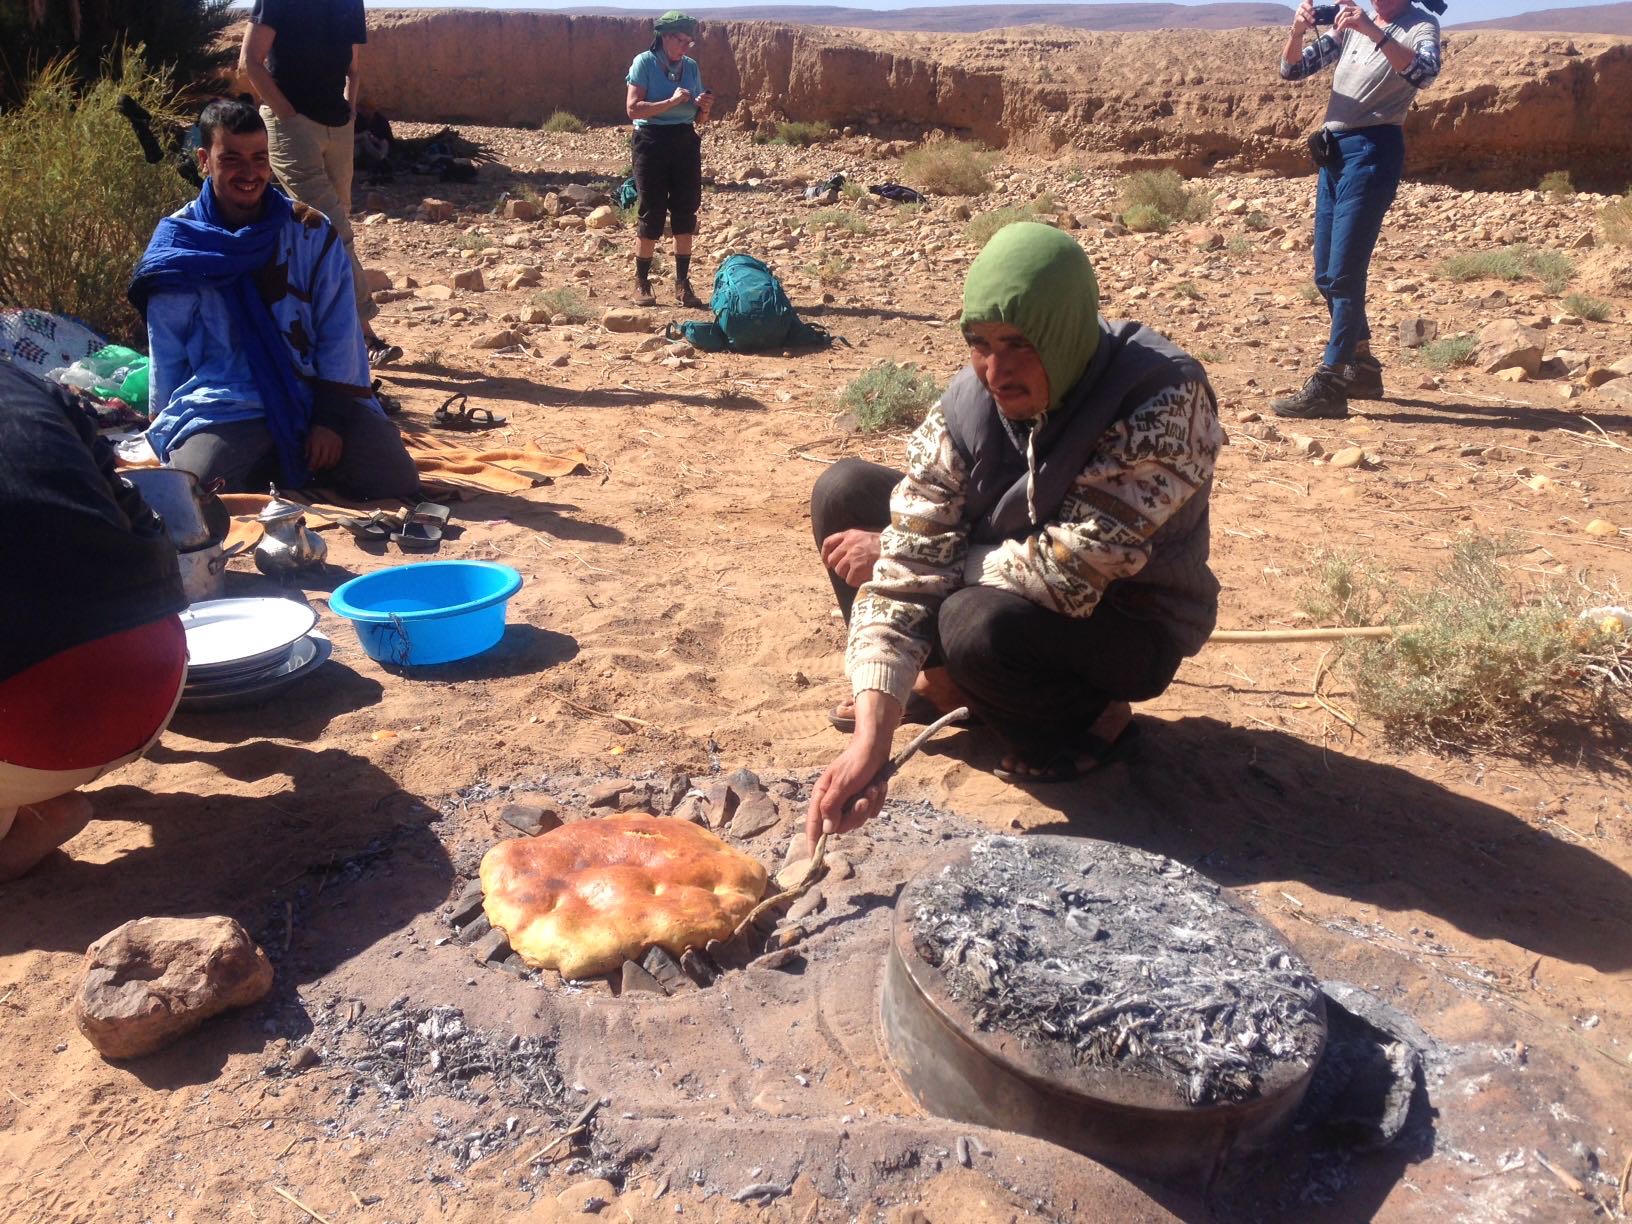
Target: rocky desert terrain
[[675, 621]]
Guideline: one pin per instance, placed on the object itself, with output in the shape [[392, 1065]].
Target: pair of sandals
[[1090, 754], [421, 530], [456, 413]]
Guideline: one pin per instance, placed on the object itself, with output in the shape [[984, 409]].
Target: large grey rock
[[155, 979]]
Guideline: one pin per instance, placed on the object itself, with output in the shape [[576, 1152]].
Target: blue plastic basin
[[428, 612]]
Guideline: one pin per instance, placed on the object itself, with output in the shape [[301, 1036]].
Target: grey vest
[[1132, 365]]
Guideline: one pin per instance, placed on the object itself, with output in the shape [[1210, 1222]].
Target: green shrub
[[838, 218], [829, 268], [1512, 263], [1557, 185], [1164, 192], [566, 301], [1586, 307], [79, 203], [1615, 220], [473, 242], [1238, 246], [948, 167], [563, 121], [1449, 352], [1045, 204], [853, 190], [980, 229], [183, 38], [800, 134], [1147, 219], [889, 396], [1478, 657]]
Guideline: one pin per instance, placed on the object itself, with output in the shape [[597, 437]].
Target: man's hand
[[1304, 19], [680, 97], [846, 779], [323, 448], [1352, 17], [851, 554], [705, 103], [307, 215]]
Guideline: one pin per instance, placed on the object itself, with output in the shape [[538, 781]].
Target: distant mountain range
[[972, 18]]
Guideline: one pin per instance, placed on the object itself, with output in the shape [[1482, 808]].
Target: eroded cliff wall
[[1508, 107]]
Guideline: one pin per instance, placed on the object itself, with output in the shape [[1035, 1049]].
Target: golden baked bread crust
[[585, 897]]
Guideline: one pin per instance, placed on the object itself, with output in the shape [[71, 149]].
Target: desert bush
[[1162, 191], [828, 268], [852, 190], [948, 167], [800, 134], [838, 218], [1478, 657], [79, 202], [979, 231], [1449, 352], [1341, 589], [1238, 246], [1187, 290], [473, 242], [889, 396], [180, 39], [1147, 219], [1257, 222], [1586, 307], [1512, 263], [1557, 185], [563, 121], [567, 301], [1615, 220]]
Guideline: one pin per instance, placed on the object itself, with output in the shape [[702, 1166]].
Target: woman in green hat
[[666, 101]]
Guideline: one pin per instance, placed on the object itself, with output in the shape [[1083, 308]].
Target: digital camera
[[1326, 14]]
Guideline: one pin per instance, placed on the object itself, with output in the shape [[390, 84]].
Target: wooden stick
[[1309, 635], [1320, 670], [579, 1125], [280, 1190], [614, 715]]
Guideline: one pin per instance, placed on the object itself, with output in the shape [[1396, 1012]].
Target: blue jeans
[[1349, 212]]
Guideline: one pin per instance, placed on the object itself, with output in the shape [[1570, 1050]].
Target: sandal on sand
[[456, 413], [920, 711], [423, 530], [1065, 766]]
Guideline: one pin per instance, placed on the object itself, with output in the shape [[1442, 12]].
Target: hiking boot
[[643, 292], [1322, 397], [687, 297], [1363, 379]]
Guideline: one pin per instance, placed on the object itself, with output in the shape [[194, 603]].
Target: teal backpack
[[627, 195], [751, 313]]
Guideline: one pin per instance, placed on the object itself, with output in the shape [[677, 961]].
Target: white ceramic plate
[[308, 654], [230, 635]]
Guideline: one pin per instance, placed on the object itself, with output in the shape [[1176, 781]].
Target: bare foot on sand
[[39, 829]]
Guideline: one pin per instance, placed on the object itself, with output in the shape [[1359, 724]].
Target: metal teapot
[[287, 545]]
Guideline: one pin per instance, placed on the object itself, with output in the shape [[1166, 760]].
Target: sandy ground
[[1484, 894]]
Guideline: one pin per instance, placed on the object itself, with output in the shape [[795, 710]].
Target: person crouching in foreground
[[1044, 558], [94, 655], [258, 367]]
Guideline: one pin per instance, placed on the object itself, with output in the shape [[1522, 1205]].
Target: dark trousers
[[1349, 208], [669, 176], [374, 463], [1037, 678]]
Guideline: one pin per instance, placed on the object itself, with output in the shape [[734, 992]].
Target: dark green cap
[[676, 22]]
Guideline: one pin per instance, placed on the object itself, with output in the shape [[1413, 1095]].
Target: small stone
[[431, 209], [722, 803], [813, 902], [627, 319], [494, 946], [699, 967], [1506, 344], [304, 1057], [1349, 457], [788, 936], [606, 793], [1414, 333], [637, 980], [693, 808], [672, 792], [589, 1197], [469, 279], [638, 798], [1602, 527], [569, 222], [434, 293], [1513, 374], [1309, 448], [1204, 239], [467, 905], [504, 338], [376, 279], [745, 782], [839, 867], [662, 966], [521, 210], [479, 926], [1597, 376], [531, 818], [582, 196], [604, 217], [754, 816], [152, 980]]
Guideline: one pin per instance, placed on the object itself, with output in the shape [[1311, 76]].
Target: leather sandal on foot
[[382, 353], [920, 711], [1069, 765]]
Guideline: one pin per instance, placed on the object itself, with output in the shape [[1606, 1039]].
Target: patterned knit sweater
[[1147, 467]]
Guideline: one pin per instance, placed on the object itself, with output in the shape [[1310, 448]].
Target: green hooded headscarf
[[675, 22], [1037, 279]]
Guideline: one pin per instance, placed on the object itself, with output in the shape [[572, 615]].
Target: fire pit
[[1101, 997]]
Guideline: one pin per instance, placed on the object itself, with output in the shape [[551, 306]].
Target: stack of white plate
[[242, 650]]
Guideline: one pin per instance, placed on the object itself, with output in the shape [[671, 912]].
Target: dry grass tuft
[[948, 167]]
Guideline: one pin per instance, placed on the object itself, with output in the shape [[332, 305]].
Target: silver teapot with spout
[[195, 522], [287, 545]]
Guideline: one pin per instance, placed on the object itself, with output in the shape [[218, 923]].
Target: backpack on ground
[[751, 313], [627, 194]]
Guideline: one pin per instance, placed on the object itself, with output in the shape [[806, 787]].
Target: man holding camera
[[1382, 61]]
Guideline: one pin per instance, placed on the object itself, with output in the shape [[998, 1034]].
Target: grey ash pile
[[1127, 960]]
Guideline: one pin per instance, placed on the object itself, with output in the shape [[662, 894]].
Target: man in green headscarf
[[1044, 558]]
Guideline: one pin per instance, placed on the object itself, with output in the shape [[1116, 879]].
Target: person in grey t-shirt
[[1382, 61]]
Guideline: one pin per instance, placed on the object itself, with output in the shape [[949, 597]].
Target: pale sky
[[1457, 10]]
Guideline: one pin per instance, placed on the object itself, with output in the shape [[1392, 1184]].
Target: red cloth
[[95, 703]]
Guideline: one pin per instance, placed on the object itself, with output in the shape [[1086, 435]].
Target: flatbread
[[587, 896]]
